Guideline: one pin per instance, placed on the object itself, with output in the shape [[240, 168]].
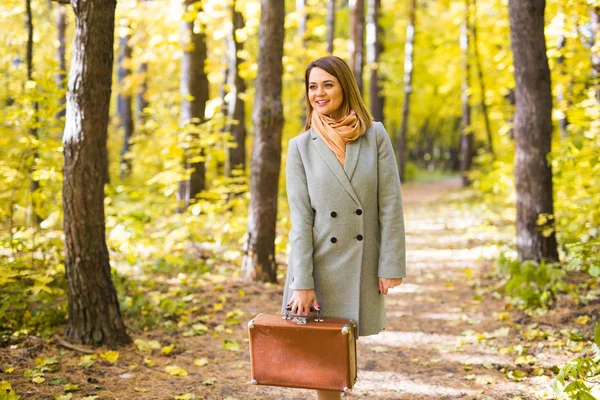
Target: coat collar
[[344, 175]]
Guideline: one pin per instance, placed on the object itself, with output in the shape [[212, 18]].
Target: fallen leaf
[[167, 350], [186, 396], [141, 390], [231, 345], [93, 397], [110, 356], [148, 362], [67, 396], [582, 320], [58, 382], [9, 370], [201, 362], [516, 375], [210, 382], [175, 370], [87, 360], [38, 380], [71, 387]]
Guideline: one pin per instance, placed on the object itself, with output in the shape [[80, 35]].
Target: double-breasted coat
[[347, 225]]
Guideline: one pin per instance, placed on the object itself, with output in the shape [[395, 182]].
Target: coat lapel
[[342, 174]]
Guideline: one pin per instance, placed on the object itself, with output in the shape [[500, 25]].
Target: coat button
[[358, 212], [360, 237], [333, 240], [333, 214]]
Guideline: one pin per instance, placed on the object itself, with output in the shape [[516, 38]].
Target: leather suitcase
[[303, 352]]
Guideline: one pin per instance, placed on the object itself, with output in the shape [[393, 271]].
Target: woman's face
[[325, 93]]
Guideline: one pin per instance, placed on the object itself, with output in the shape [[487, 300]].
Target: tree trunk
[[236, 124], [330, 25], [536, 239], [61, 27], [259, 261], [409, 54], [194, 95], [94, 315], [356, 42], [595, 25], [124, 100], [374, 35], [141, 98], [34, 185], [466, 139], [484, 109]]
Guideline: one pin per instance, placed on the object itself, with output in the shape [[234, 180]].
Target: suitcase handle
[[299, 319]]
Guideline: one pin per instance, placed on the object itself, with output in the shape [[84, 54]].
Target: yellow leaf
[[175, 370], [241, 292], [217, 306], [201, 362], [167, 350], [582, 320], [141, 390], [9, 370], [110, 356], [148, 362], [38, 379]]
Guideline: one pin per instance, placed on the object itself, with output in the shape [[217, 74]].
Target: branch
[[62, 1], [68, 345]]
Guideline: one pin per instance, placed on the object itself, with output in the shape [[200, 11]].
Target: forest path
[[446, 327]]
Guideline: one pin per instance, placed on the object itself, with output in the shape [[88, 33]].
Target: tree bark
[[236, 124], [194, 95], [124, 99], [595, 25], [374, 35], [466, 139], [484, 109], [61, 27], [94, 315], [34, 185], [330, 25], [356, 42], [533, 132], [142, 96], [259, 261], [409, 54]]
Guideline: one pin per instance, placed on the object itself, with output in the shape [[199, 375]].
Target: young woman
[[347, 237]]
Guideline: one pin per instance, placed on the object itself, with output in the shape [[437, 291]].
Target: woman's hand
[[388, 283], [301, 301]]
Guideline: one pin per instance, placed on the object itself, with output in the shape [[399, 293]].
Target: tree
[[61, 27], [124, 100], [94, 315], [595, 25], [236, 114], [356, 42], [409, 49], [374, 39], [267, 115], [536, 239], [194, 95], [466, 138], [33, 131], [330, 25], [484, 109]]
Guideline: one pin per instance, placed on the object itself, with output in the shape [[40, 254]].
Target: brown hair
[[352, 99]]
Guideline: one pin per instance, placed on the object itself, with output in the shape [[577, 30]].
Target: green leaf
[[71, 387], [58, 382], [231, 345], [597, 334]]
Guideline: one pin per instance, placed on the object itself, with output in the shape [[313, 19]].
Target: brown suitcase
[[303, 352]]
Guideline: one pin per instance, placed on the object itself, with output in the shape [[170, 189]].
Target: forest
[[143, 210]]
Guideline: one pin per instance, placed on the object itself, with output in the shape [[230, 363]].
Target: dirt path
[[443, 338]]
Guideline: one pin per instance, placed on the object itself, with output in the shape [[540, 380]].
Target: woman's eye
[[329, 85]]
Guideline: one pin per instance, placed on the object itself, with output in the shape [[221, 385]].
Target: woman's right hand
[[302, 300]]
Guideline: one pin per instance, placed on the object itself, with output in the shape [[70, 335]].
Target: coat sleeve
[[392, 256], [302, 219]]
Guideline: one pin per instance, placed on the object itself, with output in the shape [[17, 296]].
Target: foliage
[[532, 285], [572, 378]]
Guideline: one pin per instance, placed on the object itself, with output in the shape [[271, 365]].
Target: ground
[[450, 333]]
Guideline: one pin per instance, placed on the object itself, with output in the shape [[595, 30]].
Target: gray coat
[[347, 225]]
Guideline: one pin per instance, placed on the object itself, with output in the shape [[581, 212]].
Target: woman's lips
[[321, 102]]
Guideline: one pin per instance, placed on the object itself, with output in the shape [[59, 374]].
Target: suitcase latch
[[299, 320]]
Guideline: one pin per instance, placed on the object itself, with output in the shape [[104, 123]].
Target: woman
[[347, 237]]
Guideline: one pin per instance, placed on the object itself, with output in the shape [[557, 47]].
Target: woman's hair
[[352, 99]]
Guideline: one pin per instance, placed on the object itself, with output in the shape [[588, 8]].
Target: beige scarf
[[337, 133]]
